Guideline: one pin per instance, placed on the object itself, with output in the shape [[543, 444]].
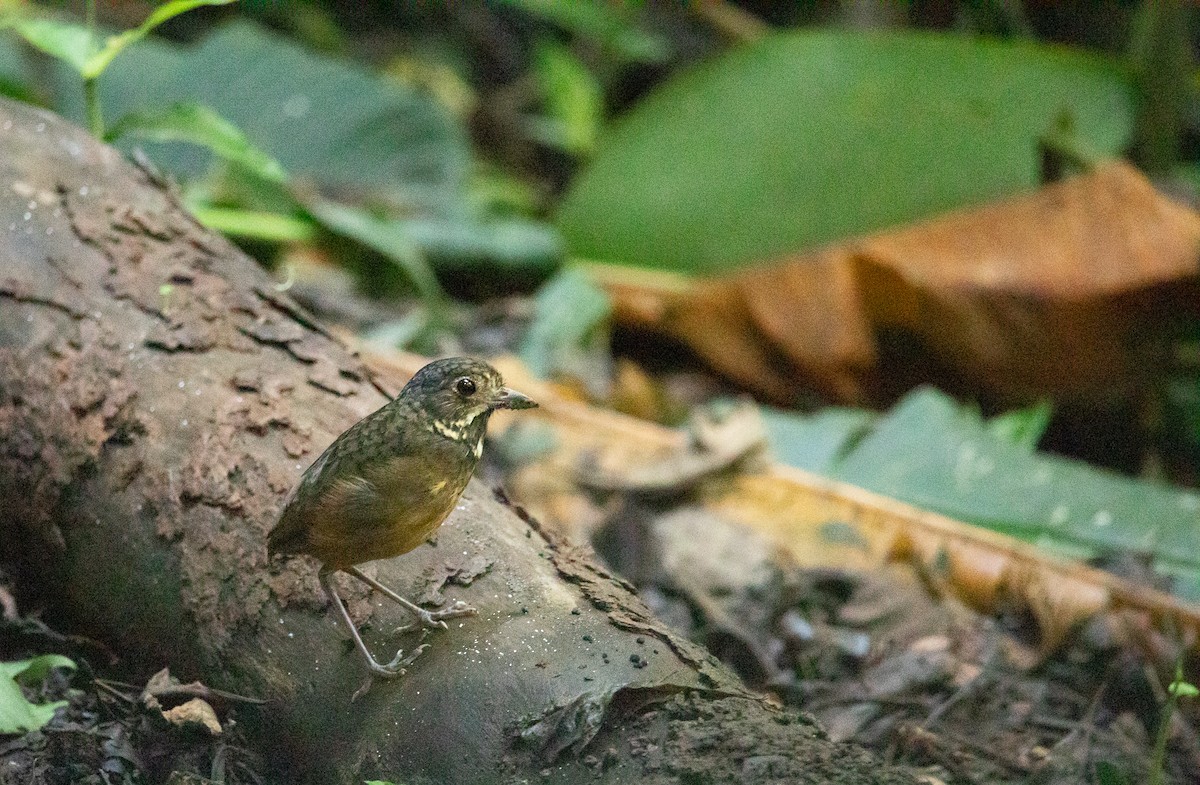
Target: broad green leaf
[[18, 715], [13, 81], [319, 117], [940, 456], [569, 312], [806, 137], [188, 122]]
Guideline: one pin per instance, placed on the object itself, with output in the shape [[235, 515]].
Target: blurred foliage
[[199, 125], [568, 334], [937, 455], [612, 26], [79, 46], [1163, 65], [321, 118], [802, 138], [424, 145], [574, 101], [17, 713]]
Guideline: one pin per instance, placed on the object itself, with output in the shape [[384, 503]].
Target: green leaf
[[69, 42], [569, 315], [816, 442], [1183, 689], [384, 236], [940, 456], [14, 82], [197, 124], [574, 100], [510, 244], [806, 137], [18, 715], [256, 224], [1022, 427], [99, 61], [605, 23], [319, 117], [76, 45]]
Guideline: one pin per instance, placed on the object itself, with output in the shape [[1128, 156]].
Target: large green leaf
[[17, 714], [321, 118], [940, 456], [806, 137]]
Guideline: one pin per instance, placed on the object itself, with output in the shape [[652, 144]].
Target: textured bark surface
[[158, 399]]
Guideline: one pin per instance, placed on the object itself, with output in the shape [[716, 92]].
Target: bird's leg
[[398, 664], [429, 619]]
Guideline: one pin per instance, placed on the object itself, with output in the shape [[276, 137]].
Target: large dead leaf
[[1061, 293]]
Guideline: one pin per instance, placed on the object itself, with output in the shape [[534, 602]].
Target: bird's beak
[[511, 399]]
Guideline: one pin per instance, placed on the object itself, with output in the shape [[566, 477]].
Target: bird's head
[[458, 394]]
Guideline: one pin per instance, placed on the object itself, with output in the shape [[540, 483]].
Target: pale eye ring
[[465, 386]]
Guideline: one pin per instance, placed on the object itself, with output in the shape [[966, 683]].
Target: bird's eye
[[465, 386]]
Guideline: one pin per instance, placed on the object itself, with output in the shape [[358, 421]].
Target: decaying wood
[[158, 399]]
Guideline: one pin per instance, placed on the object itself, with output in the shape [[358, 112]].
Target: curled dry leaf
[[1056, 293], [195, 713], [717, 441]]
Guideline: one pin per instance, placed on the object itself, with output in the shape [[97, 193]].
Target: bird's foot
[[393, 670], [399, 664], [433, 620]]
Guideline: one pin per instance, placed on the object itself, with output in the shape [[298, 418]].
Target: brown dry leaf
[[819, 522], [195, 713], [1053, 293]]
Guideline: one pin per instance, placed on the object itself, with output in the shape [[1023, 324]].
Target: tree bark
[[159, 398]]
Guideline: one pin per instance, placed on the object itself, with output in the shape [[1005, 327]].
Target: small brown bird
[[389, 481]]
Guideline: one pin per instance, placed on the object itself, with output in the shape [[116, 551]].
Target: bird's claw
[[433, 620], [399, 664], [393, 670], [400, 661]]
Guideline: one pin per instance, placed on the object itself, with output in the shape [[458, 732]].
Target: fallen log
[[159, 398]]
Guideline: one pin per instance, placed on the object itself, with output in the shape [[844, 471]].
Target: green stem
[[91, 96], [95, 115], [1158, 758]]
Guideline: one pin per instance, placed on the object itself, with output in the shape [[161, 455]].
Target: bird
[[389, 481]]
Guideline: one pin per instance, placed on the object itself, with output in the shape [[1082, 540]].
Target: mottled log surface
[[158, 399]]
